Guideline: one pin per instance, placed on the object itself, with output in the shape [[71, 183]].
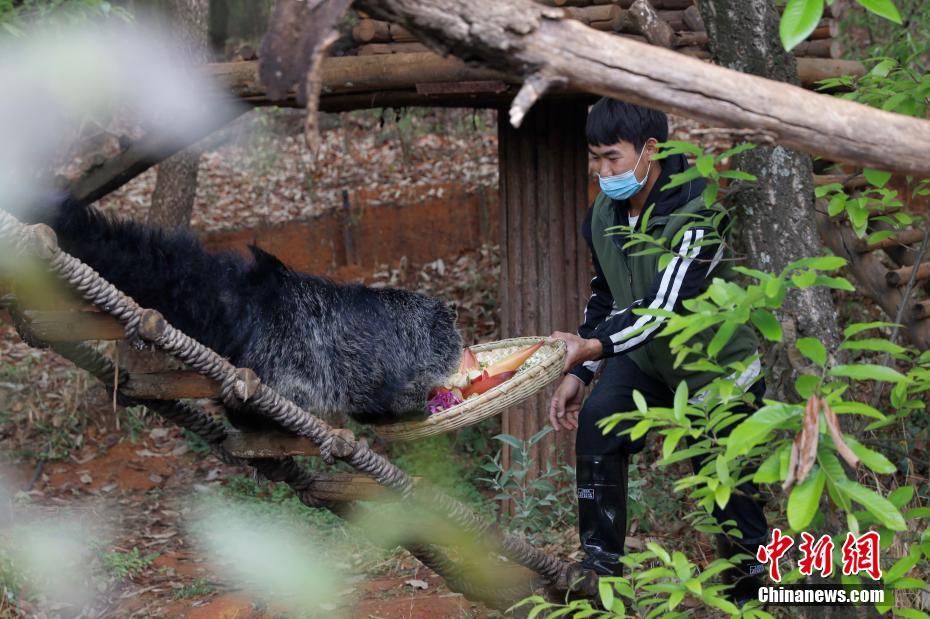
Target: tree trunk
[[777, 223], [176, 183], [176, 180]]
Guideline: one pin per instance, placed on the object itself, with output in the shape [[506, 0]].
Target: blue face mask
[[624, 186]]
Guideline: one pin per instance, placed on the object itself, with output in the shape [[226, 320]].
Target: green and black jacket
[[623, 282]]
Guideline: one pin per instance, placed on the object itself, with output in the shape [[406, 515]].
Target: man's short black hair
[[611, 121]]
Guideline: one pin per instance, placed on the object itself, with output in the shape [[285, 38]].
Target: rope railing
[[240, 386], [280, 470]]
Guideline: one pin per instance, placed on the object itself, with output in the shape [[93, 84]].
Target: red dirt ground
[[139, 491]]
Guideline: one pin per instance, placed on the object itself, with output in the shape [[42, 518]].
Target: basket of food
[[491, 378]]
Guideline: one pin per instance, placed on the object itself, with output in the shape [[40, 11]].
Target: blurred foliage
[[17, 16]]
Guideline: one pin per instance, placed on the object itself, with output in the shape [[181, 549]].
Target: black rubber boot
[[747, 576], [602, 494]]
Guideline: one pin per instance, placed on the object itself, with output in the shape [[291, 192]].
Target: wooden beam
[[525, 40], [170, 385], [68, 326], [900, 277]]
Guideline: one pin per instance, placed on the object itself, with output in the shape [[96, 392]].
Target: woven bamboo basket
[[539, 370]]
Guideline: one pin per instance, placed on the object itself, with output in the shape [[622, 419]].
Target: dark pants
[[613, 393]]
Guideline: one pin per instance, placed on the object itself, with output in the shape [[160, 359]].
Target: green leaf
[[836, 205], [820, 263], [873, 344], [752, 430], [767, 324], [737, 175], [710, 193], [640, 401], [901, 496], [681, 401], [872, 459], [859, 327], [804, 279], [705, 164], [883, 68], [606, 592], [721, 338], [510, 440], [867, 371], [736, 150], [805, 384], [769, 470], [840, 283], [804, 499], [671, 441], [722, 495], [798, 21], [876, 177], [882, 8], [858, 408], [812, 349], [874, 503]]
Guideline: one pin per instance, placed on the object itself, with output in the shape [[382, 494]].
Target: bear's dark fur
[[370, 353]]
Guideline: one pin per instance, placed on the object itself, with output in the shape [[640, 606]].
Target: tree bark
[[176, 183], [776, 222]]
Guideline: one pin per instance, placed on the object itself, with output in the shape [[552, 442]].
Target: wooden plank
[[269, 445], [68, 326], [170, 385], [343, 487]]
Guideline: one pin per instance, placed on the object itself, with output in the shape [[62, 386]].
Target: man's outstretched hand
[[578, 349]]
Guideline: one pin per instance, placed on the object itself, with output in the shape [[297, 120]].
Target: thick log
[[900, 277], [673, 5], [376, 31], [656, 31], [614, 25], [692, 19], [814, 49], [170, 385], [813, 70], [922, 309], [67, 326], [688, 38], [372, 31], [674, 19], [588, 14], [523, 39], [374, 49], [905, 237], [869, 273]]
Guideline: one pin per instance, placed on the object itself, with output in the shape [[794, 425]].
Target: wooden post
[[545, 263]]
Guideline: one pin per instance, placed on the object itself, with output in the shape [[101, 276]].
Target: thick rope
[[282, 470], [238, 385]]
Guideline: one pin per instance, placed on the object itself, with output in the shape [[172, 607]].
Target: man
[[623, 346]]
